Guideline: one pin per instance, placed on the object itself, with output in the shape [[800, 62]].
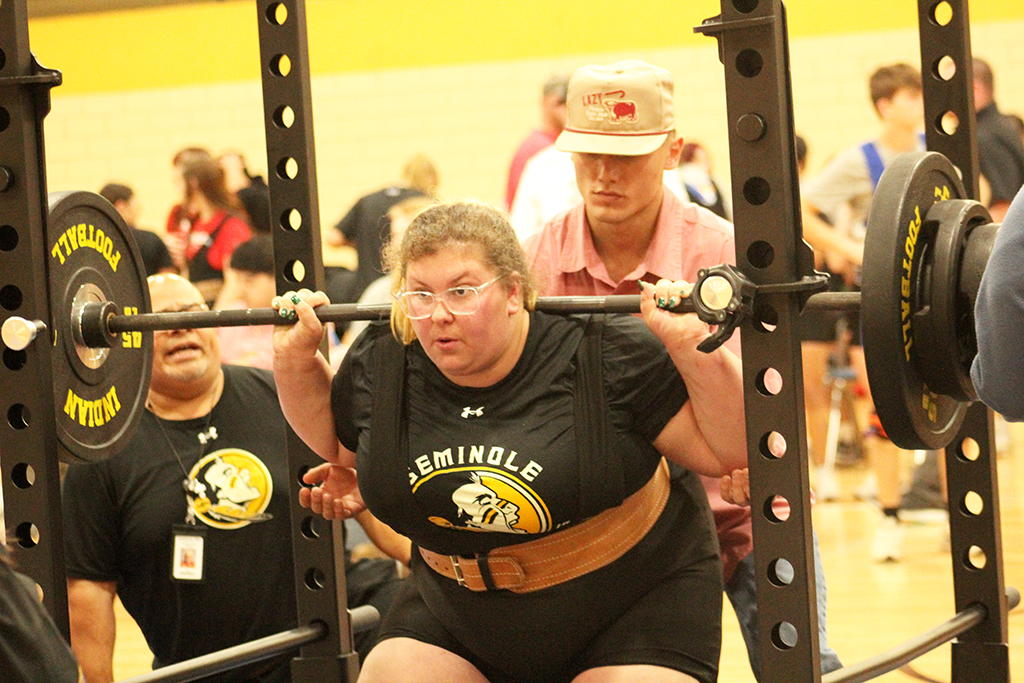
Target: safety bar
[[894, 658], [363, 618]]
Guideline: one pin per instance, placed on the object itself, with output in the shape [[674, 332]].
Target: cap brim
[[622, 145]]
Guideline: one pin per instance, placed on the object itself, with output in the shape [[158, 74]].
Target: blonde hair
[[421, 174], [461, 223]]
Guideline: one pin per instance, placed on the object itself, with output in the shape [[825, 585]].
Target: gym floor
[[872, 607]]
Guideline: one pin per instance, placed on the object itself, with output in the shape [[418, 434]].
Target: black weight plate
[[99, 394], [946, 342], [898, 244]]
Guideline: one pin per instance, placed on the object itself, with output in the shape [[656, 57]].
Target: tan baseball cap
[[624, 108]]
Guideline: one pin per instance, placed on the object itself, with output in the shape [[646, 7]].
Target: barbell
[[925, 250]]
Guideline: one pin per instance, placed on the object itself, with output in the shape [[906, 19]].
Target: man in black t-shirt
[[155, 256], [189, 524], [1000, 149]]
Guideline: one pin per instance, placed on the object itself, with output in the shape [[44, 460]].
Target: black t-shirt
[[255, 197], [368, 226], [1000, 154], [502, 459], [119, 513], [31, 648], [154, 252]]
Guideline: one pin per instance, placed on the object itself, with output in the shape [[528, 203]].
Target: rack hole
[[776, 509], [942, 13], [18, 416], [277, 14], [972, 504], [945, 68], [769, 382], [947, 123], [10, 297], [15, 360], [294, 271], [8, 238], [284, 117], [766, 318], [975, 558], [757, 191], [287, 168], [23, 475], [784, 635], [749, 63], [27, 534], [745, 6], [760, 254], [315, 578], [773, 445], [5, 119], [310, 528], [968, 450], [291, 219], [780, 572], [280, 65]]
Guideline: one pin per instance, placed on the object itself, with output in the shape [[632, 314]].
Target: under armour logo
[[468, 412], [208, 436]]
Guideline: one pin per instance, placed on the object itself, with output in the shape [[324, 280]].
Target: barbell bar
[[925, 251]]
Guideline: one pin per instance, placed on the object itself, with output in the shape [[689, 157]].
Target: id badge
[[187, 555]]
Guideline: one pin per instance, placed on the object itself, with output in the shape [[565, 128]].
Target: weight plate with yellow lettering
[[900, 251], [100, 394]]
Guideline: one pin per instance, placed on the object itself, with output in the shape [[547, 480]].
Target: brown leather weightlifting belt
[[563, 555]]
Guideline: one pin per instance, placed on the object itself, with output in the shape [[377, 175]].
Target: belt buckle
[[458, 570]]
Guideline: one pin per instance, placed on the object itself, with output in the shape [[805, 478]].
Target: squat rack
[[753, 48]]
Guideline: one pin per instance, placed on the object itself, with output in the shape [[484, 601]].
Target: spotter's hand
[[735, 487], [334, 493]]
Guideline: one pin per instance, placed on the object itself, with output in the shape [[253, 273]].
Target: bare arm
[[708, 434], [91, 606], [386, 538], [827, 240], [303, 377]]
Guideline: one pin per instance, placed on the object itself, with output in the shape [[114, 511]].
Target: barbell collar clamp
[[93, 324], [18, 333]]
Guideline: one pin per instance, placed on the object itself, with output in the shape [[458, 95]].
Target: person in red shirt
[[208, 223]]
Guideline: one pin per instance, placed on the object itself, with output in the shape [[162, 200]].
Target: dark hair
[[558, 86], [983, 74], [255, 255], [115, 192], [202, 173], [458, 224], [886, 81]]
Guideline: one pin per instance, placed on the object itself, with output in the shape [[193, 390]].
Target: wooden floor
[[872, 607]]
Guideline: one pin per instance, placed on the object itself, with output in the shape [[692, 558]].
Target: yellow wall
[[172, 46], [457, 81]]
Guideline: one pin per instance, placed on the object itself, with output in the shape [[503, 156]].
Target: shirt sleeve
[[998, 369], [90, 523], [644, 387], [352, 387]]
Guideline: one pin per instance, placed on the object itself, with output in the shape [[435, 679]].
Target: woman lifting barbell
[[524, 454]]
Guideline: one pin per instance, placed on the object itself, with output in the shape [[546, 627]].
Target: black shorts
[[659, 604], [664, 628]]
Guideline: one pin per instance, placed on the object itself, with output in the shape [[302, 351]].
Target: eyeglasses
[[461, 300]]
